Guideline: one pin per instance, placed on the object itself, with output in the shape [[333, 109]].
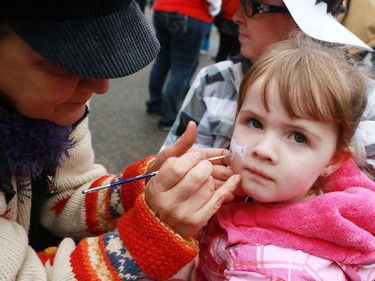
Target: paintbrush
[[139, 177]]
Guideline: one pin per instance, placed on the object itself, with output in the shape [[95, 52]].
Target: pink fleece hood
[[338, 225]]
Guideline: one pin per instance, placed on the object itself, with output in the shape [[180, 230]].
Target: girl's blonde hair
[[315, 81]]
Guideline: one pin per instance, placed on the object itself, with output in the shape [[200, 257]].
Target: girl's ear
[[337, 160]]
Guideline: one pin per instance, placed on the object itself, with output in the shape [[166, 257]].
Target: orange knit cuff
[[158, 250], [131, 190]]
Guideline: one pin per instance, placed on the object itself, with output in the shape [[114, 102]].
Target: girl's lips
[[259, 173]]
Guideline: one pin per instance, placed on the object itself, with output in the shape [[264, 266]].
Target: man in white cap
[[212, 99]]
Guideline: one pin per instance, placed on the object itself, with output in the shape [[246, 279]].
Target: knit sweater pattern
[[95, 226]]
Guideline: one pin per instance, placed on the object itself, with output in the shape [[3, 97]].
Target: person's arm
[[140, 246], [192, 109], [220, 97], [211, 103], [364, 138], [70, 213], [369, 113], [104, 257]]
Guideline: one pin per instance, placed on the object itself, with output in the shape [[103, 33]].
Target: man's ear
[[337, 160]]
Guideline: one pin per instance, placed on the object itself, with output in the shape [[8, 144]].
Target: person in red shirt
[[181, 26]]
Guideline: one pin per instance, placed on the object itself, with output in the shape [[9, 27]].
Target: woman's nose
[[97, 86], [101, 86], [239, 16]]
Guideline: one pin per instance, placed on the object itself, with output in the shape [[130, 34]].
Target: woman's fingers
[[175, 168], [189, 189], [221, 174], [193, 217], [176, 181], [188, 207], [194, 180], [221, 195], [173, 171]]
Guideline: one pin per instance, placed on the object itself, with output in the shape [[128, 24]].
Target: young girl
[[297, 113], [303, 210]]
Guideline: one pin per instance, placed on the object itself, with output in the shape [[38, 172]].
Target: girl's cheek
[[237, 148]]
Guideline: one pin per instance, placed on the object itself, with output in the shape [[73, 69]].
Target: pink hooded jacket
[[329, 237]]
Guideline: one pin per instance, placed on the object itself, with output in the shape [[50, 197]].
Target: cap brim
[[314, 20], [111, 46]]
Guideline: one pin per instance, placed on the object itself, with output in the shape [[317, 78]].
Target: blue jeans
[[180, 38]]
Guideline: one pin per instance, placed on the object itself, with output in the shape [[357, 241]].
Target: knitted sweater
[[110, 226]]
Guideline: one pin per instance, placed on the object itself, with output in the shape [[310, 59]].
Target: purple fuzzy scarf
[[32, 145]]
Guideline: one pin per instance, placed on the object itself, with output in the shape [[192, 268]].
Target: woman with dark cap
[[54, 56]]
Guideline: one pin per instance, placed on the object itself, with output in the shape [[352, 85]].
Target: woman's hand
[[182, 145], [188, 190], [221, 173]]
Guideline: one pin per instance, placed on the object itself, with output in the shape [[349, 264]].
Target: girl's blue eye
[[299, 138], [255, 123]]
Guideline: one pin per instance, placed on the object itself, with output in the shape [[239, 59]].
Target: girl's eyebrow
[[257, 112]]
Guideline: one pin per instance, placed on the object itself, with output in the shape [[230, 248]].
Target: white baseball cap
[[314, 20]]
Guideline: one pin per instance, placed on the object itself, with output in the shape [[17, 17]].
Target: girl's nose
[[265, 150]]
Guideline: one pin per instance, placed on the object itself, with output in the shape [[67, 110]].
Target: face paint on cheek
[[237, 148]]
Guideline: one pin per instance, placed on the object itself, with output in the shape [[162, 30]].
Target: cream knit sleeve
[[69, 212], [64, 213], [17, 260]]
